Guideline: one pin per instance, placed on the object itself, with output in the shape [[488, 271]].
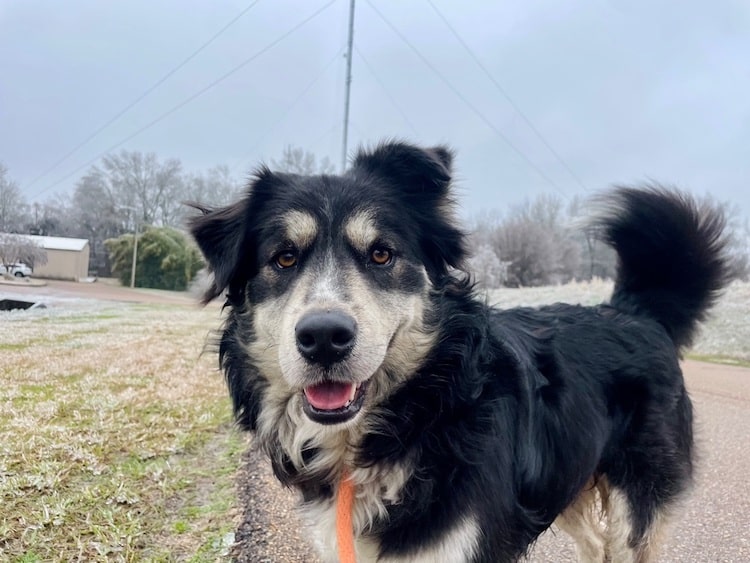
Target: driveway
[[103, 290]]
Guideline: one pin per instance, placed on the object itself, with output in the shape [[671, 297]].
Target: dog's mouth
[[333, 402]]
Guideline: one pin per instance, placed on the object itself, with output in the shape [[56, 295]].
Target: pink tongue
[[329, 395]]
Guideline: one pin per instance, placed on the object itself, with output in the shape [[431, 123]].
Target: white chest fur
[[372, 495]]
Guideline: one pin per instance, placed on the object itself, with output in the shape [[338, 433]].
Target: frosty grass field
[[116, 441]]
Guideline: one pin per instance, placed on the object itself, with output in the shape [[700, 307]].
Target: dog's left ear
[[221, 235], [422, 178]]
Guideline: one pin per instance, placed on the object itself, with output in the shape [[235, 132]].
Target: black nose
[[325, 337]]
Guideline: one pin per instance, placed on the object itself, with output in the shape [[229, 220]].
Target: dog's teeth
[[354, 392]]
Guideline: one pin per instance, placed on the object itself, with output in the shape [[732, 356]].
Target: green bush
[[166, 259]]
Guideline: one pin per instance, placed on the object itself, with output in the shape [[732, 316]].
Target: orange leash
[[344, 522]]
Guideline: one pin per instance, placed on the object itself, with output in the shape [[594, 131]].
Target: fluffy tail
[[672, 264]]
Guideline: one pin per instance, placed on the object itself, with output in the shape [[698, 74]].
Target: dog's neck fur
[[315, 464], [313, 458]]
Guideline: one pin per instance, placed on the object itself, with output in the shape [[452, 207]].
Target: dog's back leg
[[628, 542], [601, 522], [582, 520], [647, 480]]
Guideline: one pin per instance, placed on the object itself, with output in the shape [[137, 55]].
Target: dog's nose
[[325, 337]]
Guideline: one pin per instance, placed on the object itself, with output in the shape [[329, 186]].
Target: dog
[[355, 348]]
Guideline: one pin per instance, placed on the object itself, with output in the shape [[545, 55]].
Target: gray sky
[[623, 90]]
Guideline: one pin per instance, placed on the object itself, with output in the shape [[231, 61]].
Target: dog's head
[[334, 273]]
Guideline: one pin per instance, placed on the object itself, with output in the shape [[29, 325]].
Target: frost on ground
[[724, 337], [116, 440]]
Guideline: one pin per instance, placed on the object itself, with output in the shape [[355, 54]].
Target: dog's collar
[[344, 520]]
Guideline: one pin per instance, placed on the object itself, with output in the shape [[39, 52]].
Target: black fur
[[512, 412]]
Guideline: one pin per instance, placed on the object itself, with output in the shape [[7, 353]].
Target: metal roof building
[[67, 258]]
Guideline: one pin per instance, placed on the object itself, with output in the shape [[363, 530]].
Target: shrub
[[166, 259]]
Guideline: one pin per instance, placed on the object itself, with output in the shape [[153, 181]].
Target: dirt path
[[271, 531], [103, 290]]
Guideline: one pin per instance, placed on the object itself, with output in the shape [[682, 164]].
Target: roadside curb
[[26, 283]]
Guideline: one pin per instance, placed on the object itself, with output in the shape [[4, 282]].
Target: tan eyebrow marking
[[301, 228], [361, 230]]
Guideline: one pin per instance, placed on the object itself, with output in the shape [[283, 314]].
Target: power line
[[357, 129], [505, 95], [463, 98], [330, 130], [288, 110], [132, 104], [191, 98], [387, 93]]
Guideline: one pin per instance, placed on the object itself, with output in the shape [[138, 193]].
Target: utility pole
[[348, 85], [135, 250], [135, 242]]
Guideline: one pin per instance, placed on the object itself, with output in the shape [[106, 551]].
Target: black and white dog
[[352, 346]]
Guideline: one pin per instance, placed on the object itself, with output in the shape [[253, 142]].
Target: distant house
[[67, 258]]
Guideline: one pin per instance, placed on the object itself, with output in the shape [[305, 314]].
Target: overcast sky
[[621, 90]]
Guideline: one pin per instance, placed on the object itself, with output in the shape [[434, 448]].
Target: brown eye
[[285, 260], [381, 256]]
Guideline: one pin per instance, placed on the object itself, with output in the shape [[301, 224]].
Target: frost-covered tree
[[13, 207], [296, 160]]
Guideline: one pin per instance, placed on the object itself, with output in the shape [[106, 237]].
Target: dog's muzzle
[[325, 338]]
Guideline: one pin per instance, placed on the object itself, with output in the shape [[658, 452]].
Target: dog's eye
[[286, 259], [381, 256]]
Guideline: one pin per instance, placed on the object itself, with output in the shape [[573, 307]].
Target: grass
[[116, 440], [724, 360]]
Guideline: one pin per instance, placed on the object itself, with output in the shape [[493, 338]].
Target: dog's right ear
[[221, 235]]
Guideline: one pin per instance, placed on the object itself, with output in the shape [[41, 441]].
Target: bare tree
[[738, 239], [535, 242], [741, 247], [215, 187], [18, 248], [597, 260], [53, 217], [13, 207], [484, 264], [487, 269], [296, 160], [141, 181], [98, 215], [527, 249]]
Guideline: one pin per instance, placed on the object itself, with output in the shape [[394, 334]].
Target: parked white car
[[19, 270]]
